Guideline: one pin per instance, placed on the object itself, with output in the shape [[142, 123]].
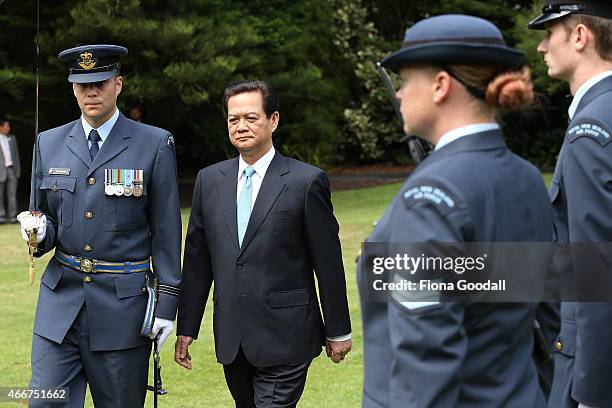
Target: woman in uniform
[[456, 75]]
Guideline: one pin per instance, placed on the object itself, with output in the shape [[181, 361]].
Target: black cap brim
[[539, 23], [453, 53], [92, 77]]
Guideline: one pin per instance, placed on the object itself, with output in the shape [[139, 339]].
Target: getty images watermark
[[407, 265], [486, 272]]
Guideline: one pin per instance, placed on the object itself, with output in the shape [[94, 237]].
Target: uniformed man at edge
[[577, 48], [108, 192]]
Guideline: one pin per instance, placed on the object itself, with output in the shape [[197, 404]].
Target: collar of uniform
[[260, 166], [103, 130], [460, 132], [584, 88]]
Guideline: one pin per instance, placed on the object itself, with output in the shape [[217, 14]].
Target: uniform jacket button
[[87, 279], [89, 215], [87, 248], [559, 345], [91, 181], [239, 265]]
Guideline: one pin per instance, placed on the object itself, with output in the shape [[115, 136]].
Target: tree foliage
[[320, 54]]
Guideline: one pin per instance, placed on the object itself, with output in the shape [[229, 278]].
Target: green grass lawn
[[329, 385]]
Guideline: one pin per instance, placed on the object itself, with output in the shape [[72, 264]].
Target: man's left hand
[[337, 350], [163, 327]]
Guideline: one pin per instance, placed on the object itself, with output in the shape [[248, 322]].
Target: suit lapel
[[271, 187], [12, 146], [227, 199], [77, 143], [113, 145]]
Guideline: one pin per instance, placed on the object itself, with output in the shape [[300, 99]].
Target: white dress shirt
[[5, 147], [584, 88], [103, 130], [260, 167], [460, 132]]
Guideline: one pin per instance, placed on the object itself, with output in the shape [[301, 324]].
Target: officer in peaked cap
[[577, 48], [108, 191], [421, 352], [553, 10], [93, 63]]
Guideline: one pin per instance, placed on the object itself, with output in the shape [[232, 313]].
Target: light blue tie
[[244, 203]]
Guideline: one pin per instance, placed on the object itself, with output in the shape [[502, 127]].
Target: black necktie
[[94, 138]]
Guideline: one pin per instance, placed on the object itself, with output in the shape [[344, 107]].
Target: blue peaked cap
[[556, 9], [93, 63], [454, 39]]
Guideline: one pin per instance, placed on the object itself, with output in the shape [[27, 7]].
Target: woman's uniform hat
[[454, 39], [555, 9], [93, 63]]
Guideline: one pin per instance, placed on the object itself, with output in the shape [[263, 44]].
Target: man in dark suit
[[10, 171], [260, 224]]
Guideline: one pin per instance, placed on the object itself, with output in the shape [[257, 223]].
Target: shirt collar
[[584, 88], [103, 130], [460, 132], [260, 166]]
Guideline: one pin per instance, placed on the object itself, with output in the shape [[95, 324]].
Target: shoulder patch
[[591, 129], [429, 193], [170, 142]]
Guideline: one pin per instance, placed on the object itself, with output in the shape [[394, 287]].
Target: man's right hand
[[30, 222], [181, 351]]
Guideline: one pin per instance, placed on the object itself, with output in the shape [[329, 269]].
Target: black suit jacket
[[264, 296]]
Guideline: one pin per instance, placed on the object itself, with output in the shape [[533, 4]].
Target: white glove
[[29, 222], [163, 327]]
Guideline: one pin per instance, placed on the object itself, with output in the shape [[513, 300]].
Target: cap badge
[[87, 61]]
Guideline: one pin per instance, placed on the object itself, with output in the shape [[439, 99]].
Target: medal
[[138, 181], [138, 190], [118, 184], [108, 188], [128, 185]]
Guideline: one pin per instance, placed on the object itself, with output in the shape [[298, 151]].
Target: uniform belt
[[87, 265]]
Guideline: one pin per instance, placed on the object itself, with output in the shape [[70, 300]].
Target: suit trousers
[[117, 379], [10, 186], [265, 387]]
